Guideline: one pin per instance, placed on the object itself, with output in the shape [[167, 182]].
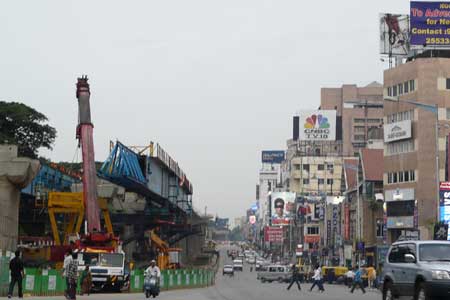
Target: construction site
[[134, 206]]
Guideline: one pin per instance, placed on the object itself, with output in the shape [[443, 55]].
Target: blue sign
[[430, 23], [254, 207], [273, 157]]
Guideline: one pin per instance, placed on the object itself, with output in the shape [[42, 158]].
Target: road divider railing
[[50, 282]]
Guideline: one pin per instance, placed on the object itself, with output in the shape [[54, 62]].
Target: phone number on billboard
[[438, 41]]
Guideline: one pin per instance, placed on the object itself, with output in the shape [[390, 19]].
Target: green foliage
[[236, 234], [24, 126]]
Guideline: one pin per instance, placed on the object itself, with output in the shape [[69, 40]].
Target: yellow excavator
[[168, 258]]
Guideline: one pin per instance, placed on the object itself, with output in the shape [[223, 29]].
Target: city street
[[245, 286]]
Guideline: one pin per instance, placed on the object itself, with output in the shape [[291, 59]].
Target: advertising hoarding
[[397, 131], [394, 34], [444, 204], [272, 156], [430, 24], [273, 234], [280, 207], [317, 125], [313, 239]]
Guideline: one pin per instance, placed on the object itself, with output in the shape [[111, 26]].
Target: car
[[228, 270], [238, 265], [271, 273], [417, 268]]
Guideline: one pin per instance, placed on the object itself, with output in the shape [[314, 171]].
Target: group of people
[[353, 278], [69, 272]]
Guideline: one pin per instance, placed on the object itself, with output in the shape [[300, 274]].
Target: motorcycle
[[151, 286]]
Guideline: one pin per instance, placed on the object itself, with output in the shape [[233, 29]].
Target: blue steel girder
[[122, 165]]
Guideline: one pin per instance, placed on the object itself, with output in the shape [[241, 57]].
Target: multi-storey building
[[411, 176]]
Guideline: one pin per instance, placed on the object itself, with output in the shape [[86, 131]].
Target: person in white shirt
[[153, 270], [317, 279], [349, 277], [67, 260]]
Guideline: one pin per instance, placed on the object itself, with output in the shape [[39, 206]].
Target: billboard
[[430, 24], [397, 131], [281, 208], [272, 156], [444, 204], [273, 234], [317, 125], [394, 34]]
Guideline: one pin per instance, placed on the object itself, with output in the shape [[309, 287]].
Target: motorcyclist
[[153, 270]]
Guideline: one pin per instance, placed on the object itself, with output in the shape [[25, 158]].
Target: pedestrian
[[67, 260], [72, 276], [295, 278], [349, 277], [357, 281], [86, 281], [317, 277], [16, 268]]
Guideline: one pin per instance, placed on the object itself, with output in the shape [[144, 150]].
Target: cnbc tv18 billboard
[[430, 24], [317, 125]]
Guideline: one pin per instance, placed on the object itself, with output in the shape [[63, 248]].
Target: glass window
[[330, 181], [296, 166], [389, 177], [389, 91], [406, 175], [412, 175], [320, 181], [447, 83], [394, 91], [306, 167], [412, 86], [320, 167], [400, 176], [405, 87], [380, 231], [394, 177], [359, 128], [313, 230], [394, 255], [305, 181], [434, 252], [330, 167], [400, 208], [400, 88]]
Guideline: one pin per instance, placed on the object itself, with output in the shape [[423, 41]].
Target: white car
[[228, 270], [238, 265]]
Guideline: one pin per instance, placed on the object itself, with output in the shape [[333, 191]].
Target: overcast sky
[[214, 82]]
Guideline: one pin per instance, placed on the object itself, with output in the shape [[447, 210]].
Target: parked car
[[228, 270], [417, 268], [238, 265], [271, 273]]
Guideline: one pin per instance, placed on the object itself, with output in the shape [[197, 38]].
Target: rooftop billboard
[[394, 34], [317, 125], [272, 156], [430, 24]]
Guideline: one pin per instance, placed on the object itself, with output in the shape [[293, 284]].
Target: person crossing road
[[317, 279], [295, 278], [357, 281]]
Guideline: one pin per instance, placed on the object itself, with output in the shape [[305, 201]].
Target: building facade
[[410, 174]]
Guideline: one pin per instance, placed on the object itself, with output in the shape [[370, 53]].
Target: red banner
[[273, 234], [346, 222], [312, 238]]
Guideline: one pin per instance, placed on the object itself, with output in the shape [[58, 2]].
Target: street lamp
[[434, 109]]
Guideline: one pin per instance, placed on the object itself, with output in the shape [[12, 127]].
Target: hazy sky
[[214, 82]]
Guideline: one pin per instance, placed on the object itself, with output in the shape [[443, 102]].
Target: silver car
[[417, 268], [271, 273]]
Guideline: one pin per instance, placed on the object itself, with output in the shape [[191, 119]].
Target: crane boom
[[85, 137]]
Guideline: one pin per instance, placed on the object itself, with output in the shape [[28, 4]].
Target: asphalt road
[[245, 286]]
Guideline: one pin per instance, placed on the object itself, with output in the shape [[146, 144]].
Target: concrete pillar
[[15, 174]]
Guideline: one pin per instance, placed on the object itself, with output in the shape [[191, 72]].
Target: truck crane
[[98, 249]]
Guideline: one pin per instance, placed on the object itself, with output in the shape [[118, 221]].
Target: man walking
[[317, 277], [357, 281], [295, 278], [349, 277], [16, 268], [67, 260], [72, 276]]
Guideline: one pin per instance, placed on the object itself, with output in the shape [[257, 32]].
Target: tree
[[24, 126]]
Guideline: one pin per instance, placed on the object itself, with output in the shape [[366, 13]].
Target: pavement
[[243, 286]]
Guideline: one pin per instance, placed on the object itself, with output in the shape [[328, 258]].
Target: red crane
[[85, 138]]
